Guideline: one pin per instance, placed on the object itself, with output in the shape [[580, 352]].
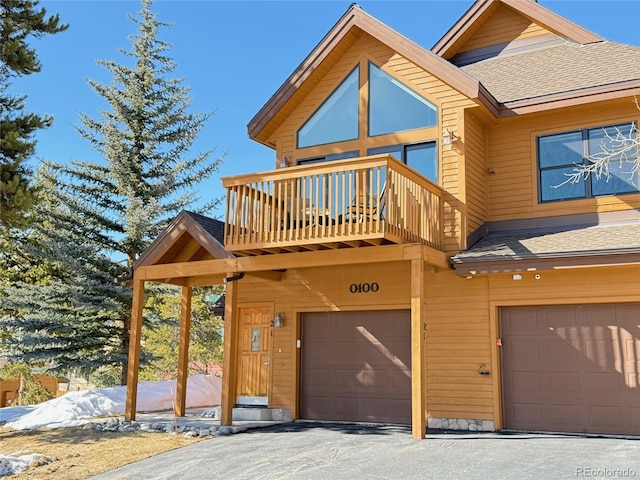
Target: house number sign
[[364, 287]]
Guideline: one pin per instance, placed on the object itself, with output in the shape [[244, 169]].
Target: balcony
[[373, 200]]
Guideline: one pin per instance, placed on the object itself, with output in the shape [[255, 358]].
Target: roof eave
[[466, 268], [300, 74], [571, 98]]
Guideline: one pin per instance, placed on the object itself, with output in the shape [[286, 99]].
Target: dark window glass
[[393, 107], [329, 158], [337, 119]]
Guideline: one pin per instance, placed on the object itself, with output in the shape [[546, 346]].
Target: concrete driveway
[[304, 450]]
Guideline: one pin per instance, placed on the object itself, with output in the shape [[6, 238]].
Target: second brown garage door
[[572, 368], [356, 366]]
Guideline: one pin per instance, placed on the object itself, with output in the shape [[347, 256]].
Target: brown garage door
[[573, 368], [356, 366]]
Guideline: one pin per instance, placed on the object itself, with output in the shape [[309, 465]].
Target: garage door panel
[[559, 351], [586, 376], [606, 416], [562, 382], [526, 414], [345, 379], [321, 377], [524, 382], [525, 351], [566, 416], [634, 418], [402, 380], [366, 370], [607, 382]]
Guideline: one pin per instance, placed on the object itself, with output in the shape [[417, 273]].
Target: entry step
[[261, 414]]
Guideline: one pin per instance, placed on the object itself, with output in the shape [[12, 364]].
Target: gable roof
[[189, 237], [345, 32], [568, 66], [455, 38]]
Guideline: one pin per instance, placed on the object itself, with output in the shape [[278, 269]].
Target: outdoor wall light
[[284, 162], [447, 136], [278, 321]]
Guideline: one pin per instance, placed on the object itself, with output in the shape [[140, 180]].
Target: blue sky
[[234, 55]]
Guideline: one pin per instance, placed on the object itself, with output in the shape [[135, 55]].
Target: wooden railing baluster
[[373, 197]]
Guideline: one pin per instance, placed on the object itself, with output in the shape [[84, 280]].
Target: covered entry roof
[[189, 237]]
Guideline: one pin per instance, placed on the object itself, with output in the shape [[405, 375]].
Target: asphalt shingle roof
[[556, 69], [549, 243], [213, 227]]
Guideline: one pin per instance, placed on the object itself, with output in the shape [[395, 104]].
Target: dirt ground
[[77, 454]]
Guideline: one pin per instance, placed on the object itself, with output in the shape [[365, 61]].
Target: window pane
[[256, 339], [422, 158], [337, 119], [394, 150], [393, 107], [549, 189], [329, 158], [563, 149], [621, 180], [605, 142]]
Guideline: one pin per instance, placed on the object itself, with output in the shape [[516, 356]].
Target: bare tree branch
[[616, 146]]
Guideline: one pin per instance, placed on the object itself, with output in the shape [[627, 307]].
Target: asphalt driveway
[[304, 450]]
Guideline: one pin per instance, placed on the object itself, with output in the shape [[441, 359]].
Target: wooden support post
[[229, 358], [134, 350], [183, 352], [418, 351]]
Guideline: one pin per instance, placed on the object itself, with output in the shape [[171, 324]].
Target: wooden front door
[[253, 352]]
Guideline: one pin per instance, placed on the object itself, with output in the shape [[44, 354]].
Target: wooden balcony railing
[[369, 200]]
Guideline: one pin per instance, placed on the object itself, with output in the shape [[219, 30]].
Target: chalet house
[[417, 256]]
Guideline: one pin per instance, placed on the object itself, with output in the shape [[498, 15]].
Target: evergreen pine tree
[[105, 214], [20, 20]]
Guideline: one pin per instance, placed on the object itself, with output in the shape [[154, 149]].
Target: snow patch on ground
[[16, 463], [76, 408]]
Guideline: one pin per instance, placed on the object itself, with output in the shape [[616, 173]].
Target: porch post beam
[[345, 256], [229, 354], [183, 352], [135, 331], [418, 351]]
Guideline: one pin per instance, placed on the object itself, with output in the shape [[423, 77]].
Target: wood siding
[[475, 173], [458, 342], [513, 189], [503, 26], [450, 104]]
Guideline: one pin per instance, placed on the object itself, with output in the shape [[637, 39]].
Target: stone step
[[261, 414]]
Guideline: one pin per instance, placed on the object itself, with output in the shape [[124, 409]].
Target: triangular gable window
[[395, 108], [337, 119]]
